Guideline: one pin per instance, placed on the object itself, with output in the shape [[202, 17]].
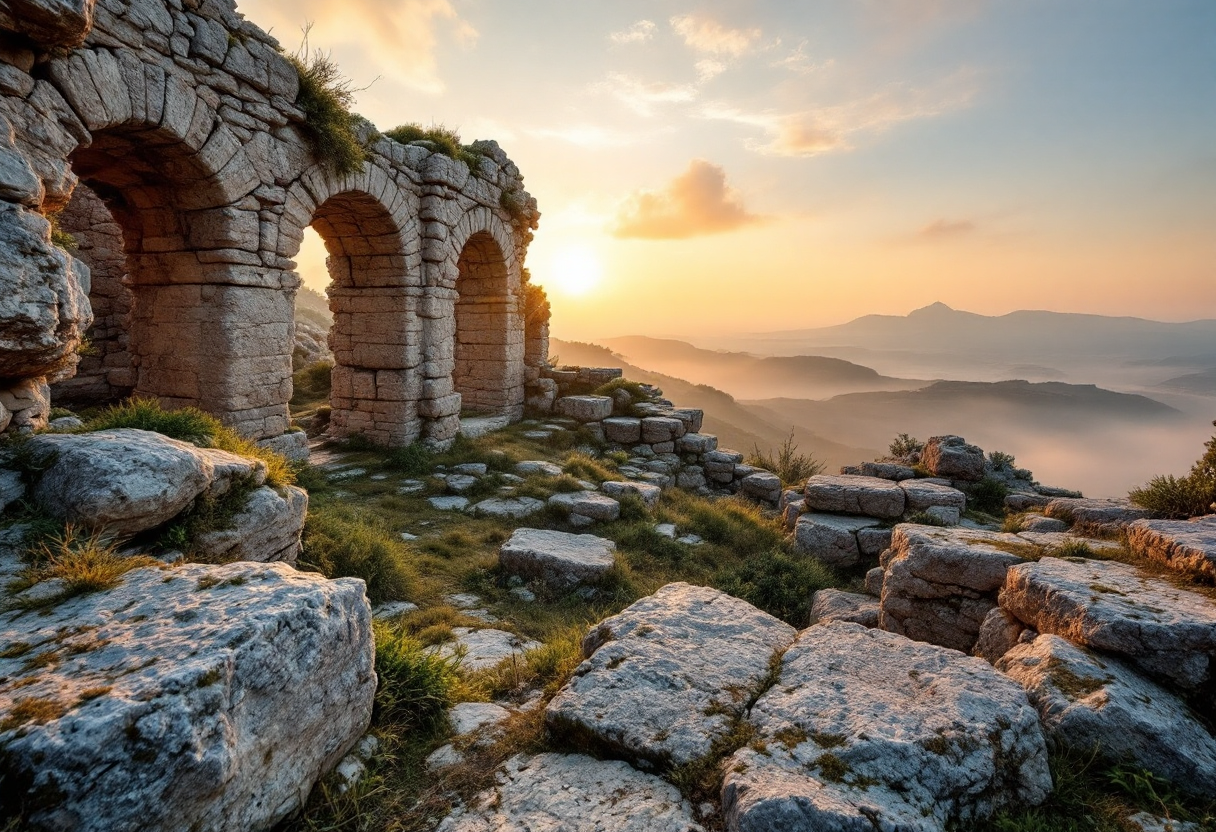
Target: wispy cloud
[[639, 32], [401, 36], [704, 34], [695, 203], [799, 62], [832, 128], [644, 97], [943, 229]]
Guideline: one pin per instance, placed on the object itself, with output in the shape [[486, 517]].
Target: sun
[[574, 270]]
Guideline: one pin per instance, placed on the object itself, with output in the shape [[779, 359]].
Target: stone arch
[[370, 234], [177, 181]]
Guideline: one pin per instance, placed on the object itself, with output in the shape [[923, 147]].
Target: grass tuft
[[417, 685], [326, 97], [793, 468], [84, 561], [445, 140], [340, 543]]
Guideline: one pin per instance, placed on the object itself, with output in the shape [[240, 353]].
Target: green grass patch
[[341, 542], [417, 685], [85, 561], [326, 97], [445, 140]]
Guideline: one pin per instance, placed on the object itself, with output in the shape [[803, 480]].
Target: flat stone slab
[[513, 507], [559, 559], [831, 538], [836, 605], [649, 494], [1167, 632], [1096, 515], [1101, 706], [1185, 545], [470, 717], [589, 504], [473, 427], [664, 678], [538, 466], [848, 494], [939, 584], [163, 699], [886, 471], [584, 408], [568, 792], [484, 649], [924, 495], [868, 730], [454, 503]]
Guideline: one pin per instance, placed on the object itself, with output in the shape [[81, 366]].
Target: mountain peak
[[937, 308]]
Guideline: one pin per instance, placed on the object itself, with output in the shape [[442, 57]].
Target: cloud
[[401, 36], [639, 32], [799, 62], [709, 69], [943, 229], [695, 203], [643, 97], [707, 35], [827, 129]]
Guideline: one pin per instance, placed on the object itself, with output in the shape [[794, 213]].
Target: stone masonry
[[181, 119]]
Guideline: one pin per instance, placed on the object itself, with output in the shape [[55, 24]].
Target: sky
[[754, 165]]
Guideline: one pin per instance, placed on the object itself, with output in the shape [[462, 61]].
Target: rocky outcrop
[[953, 458], [663, 679], [835, 605], [164, 706], [841, 745], [557, 792], [267, 529], [845, 494], [1096, 516], [1185, 545], [1167, 632], [831, 538], [559, 559], [1100, 706]]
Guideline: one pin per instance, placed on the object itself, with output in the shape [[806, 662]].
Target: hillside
[[735, 425], [749, 376]]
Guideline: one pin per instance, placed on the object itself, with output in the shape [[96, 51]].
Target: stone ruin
[[165, 137]]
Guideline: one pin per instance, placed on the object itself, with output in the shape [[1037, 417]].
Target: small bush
[[191, 425], [904, 446], [924, 518], [339, 544], [417, 685], [1182, 497], [988, 495], [634, 388], [412, 460], [1001, 461], [793, 468], [326, 97], [446, 141], [779, 584]]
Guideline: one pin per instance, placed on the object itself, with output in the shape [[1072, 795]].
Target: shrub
[[417, 685], [191, 425], [1182, 497], [1001, 461], [445, 140], [326, 97], [637, 392], [904, 446], [413, 459], [988, 495], [338, 543], [779, 584], [311, 383], [792, 467]]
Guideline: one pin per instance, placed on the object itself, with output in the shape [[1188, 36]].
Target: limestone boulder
[[1185, 545], [868, 730], [836, 605], [762, 485], [1099, 705], [49, 23], [44, 299], [623, 430], [538, 466], [165, 707], [512, 507], [481, 649], [1167, 632], [561, 792], [648, 494], [886, 471], [999, 632], [124, 481], [921, 496], [663, 679], [584, 408], [831, 538], [267, 529], [559, 559], [12, 488], [588, 504], [953, 458], [939, 584], [850, 494], [1096, 515], [292, 446], [659, 429]]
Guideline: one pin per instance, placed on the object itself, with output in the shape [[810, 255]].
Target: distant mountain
[[1197, 384], [749, 376], [736, 426]]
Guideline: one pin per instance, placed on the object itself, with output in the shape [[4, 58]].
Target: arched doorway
[[489, 344]]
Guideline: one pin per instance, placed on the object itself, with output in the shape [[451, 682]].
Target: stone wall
[[181, 116]]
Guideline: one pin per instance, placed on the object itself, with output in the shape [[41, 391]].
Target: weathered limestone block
[[557, 792], [169, 702], [267, 529], [872, 541], [696, 443], [999, 632], [762, 485], [49, 23], [847, 747], [922, 496], [656, 429], [663, 678], [1185, 545], [835, 605], [483, 649], [1096, 515], [886, 471], [648, 494], [1100, 706], [831, 538], [588, 504], [584, 408], [951, 457], [44, 303], [1168, 632], [124, 481], [846, 494], [513, 507], [293, 445], [559, 559], [28, 403], [941, 583], [624, 430]]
